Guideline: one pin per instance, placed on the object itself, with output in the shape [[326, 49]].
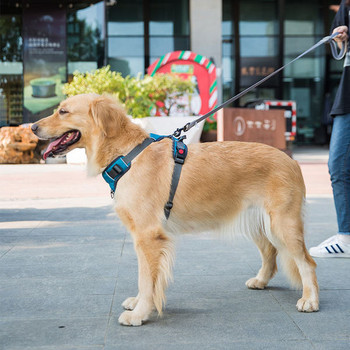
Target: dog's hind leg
[[288, 227], [155, 258], [268, 269]]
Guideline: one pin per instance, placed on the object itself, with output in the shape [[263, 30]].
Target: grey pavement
[[66, 265]]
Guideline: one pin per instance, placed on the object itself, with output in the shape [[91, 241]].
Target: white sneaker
[[331, 248]]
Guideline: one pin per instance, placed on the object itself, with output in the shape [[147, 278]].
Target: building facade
[[43, 42]]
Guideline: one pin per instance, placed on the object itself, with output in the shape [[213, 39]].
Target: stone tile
[[46, 333], [55, 305], [338, 344], [220, 344], [333, 319], [201, 326], [60, 347], [56, 287]]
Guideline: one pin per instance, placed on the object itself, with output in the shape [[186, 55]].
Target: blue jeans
[[339, 169]]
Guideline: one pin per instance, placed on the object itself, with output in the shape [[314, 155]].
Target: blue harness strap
[[121, 165]]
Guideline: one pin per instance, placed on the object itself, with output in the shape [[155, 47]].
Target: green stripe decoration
[[213, 86], [158, 65], [198, 58], [208, 65], [181, 54]]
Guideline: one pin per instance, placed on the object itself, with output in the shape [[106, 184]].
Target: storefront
[[43, 43], [260, 36]]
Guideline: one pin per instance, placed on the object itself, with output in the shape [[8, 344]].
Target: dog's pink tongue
[[52, 145]]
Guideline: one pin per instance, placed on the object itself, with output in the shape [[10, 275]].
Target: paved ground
[[66, 264]]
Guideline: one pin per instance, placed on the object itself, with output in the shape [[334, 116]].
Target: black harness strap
[[138, 149], [180, 153]]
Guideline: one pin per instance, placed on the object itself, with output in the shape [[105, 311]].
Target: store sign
[[44, 60], [200, 70], [245, 124], [182, 68], [254, 69]]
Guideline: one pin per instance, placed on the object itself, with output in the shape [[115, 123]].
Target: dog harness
[[121, 165]]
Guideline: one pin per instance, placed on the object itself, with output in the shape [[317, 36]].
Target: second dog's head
[[79, 121]]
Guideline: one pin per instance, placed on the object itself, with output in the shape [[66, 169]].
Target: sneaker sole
[[333, 256]]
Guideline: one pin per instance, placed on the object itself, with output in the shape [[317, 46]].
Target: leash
[[326, 39]]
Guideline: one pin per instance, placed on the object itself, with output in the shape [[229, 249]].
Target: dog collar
[[119, 166]]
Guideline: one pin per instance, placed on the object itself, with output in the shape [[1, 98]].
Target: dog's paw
[[307, 305], [254, 283], [130, 303], [129, 318]]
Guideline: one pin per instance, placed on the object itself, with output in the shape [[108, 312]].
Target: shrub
[[141, 97]]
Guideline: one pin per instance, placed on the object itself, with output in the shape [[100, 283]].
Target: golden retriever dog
[[230, 187]]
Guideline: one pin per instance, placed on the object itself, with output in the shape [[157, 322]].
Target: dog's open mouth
[[60, 144]]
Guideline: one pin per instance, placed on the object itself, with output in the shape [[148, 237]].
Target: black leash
[[326, 39]]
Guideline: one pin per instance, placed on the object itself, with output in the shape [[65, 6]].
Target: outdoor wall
[[205, 21]]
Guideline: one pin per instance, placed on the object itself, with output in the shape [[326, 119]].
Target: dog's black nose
[[35, 127]]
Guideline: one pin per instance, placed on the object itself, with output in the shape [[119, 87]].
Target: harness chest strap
[[121, 165]]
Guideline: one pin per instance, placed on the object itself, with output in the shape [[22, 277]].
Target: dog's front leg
[[155, 257]]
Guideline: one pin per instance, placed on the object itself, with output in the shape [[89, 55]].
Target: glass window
[[258, 18], [130, 28], [85, 38], [227, 20], [304, 80], [258, 46], [168, 17], [303, 18], [258, 27], [160, 45], [125, 18], [168, 27], [11, 69], [125, 54], [258, 34], [125, 46], [126, 37], [10, 38]]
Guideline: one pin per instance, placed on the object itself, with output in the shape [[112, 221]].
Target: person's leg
[[339, 169]]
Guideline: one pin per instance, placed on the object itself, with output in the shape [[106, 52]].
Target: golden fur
[[229, 187]]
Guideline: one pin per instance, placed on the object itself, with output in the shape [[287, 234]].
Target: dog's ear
[[107, 115]]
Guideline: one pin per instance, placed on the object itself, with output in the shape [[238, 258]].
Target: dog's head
[[79, 121]]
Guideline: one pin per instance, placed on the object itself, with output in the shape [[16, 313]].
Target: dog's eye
[[62, 111]]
